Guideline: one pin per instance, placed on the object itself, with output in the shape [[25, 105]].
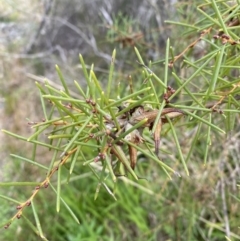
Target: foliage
[[192, 108]]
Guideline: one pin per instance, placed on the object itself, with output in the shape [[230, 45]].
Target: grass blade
[[62, 80], [38, 224], [178, 145], [66, 205], [58, 189], [110, 76]]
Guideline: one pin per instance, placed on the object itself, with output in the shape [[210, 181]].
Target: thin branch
[[42, 24], [89, 40]]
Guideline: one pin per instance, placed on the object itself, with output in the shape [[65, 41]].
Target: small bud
[[170, 65], [93, 103], [7, 225], [101, 155], [97, 159], [19, 207], [234, 43], [225, 36]]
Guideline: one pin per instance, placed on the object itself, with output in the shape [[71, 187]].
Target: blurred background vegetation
[[36, 35]]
